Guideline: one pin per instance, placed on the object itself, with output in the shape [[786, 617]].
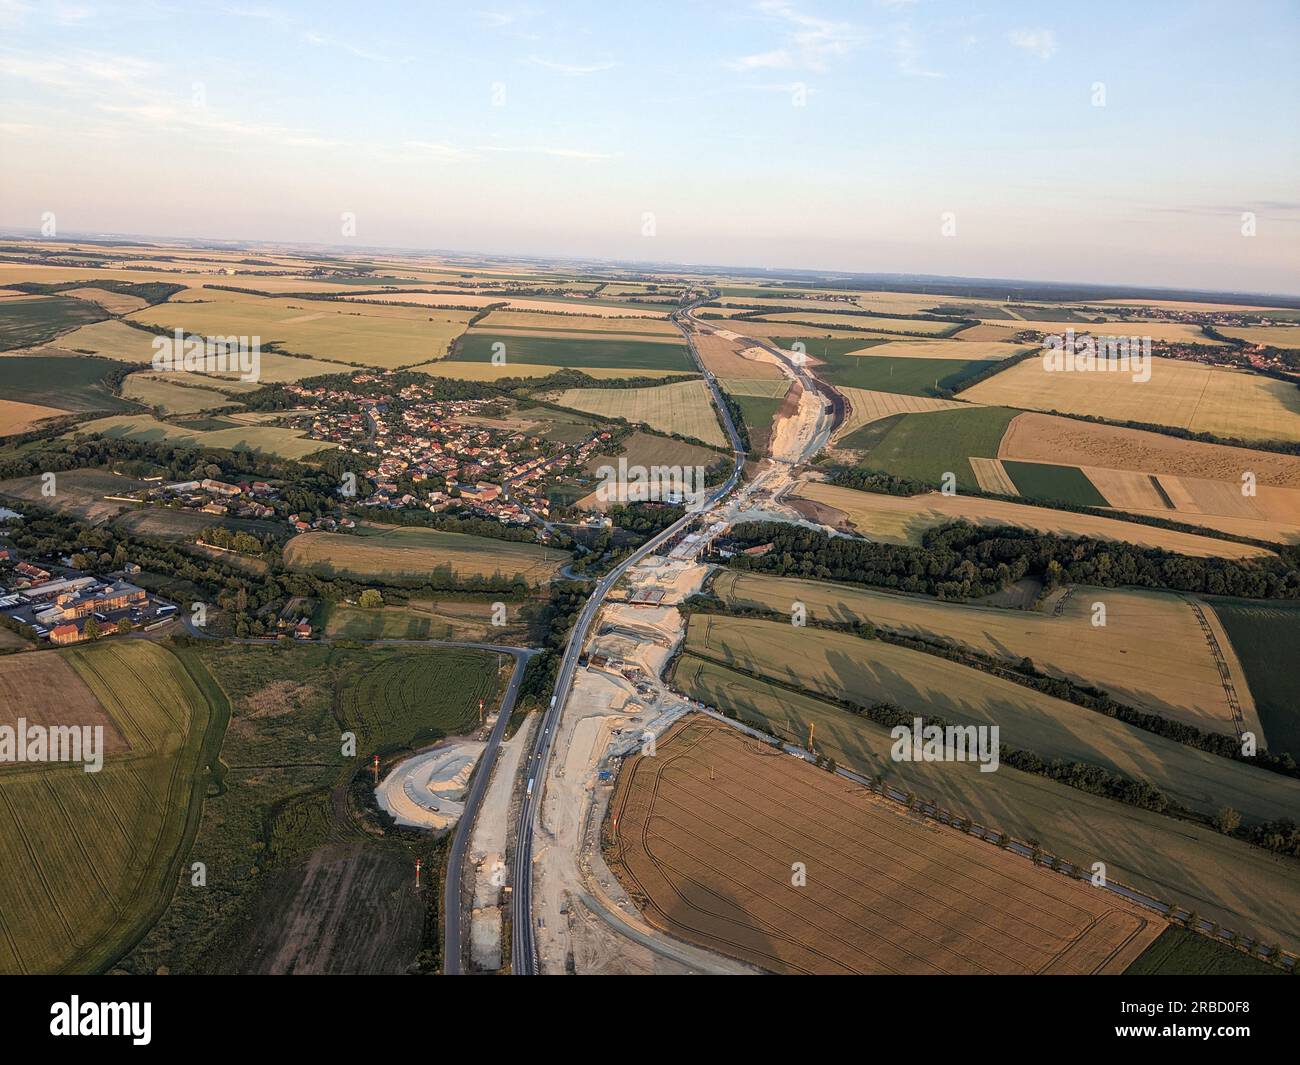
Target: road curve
[[523, 946], [452, 910]]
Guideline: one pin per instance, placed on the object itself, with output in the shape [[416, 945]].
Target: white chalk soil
[[427, 790]]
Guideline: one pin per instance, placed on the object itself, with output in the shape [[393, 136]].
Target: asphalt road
[[452, 908], [523, 945]]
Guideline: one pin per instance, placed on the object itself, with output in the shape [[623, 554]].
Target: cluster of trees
[[645, 519], [959, 560], [230, 540]]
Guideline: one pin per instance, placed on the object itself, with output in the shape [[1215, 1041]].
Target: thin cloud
[[1041, 43], [571, 69], [810, 43]]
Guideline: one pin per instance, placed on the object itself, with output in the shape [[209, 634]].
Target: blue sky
[[764, 133]]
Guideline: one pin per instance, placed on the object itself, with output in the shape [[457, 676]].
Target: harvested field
[[113, 302], [902, 520], [1243, 887], [881, 325], [1045, 438], [410, 553], [1151, 653], [383, 337], [756, 387], [1184, 395], [707, 830], [944, 349], [685, 408], [288, 443], [866, 406], [986, 331], [992, 476], [111, 339], [173, 398], [725, 358], [640, 325], [841, 667], [16, 417], [1275, 336]]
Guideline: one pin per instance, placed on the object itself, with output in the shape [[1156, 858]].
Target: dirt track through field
[[707, 833]]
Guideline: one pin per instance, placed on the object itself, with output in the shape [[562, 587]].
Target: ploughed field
[[705, 835]]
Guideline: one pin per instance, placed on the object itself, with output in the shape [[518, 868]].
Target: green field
[[66, 382], [88, 860], [1244, 888], [1178, 952], [1266, 635], [825, 348], [925, 446], [25, 323], [1064, 484], [757, 413], [564, 351], [287, 808], [911, 377]]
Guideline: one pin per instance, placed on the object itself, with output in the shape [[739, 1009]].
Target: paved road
[[523, 945], [452, 907]]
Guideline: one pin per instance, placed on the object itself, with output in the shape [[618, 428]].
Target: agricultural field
[[18, 417], [270, 439], [908, 375], [405, 554], [611, 352], [1178, 952], [384, 337], [1244, 888], [684, 408], [706, 830], [925, 446], [725, 359], [845, 668], [28, 321], [111, 339], [67, 383], [946, 349], [172, 523], [1266, 635], [866, 406], [1183, 480], [1274, 336], [299, 875], [82, 493], [903, 520], [170, 397], [452, 619], [112, 302], [1067, 484], [1184, 395], [1151, 653], [90, 859], [865, 322], [639, 325]]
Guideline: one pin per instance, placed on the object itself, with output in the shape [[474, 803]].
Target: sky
[[1100, 141]]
